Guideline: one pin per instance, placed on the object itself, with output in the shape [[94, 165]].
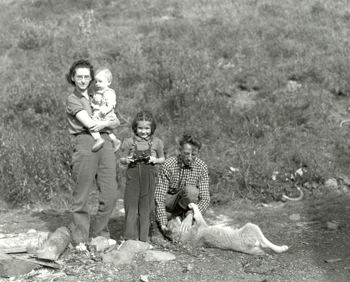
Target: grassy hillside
[[265, 85]]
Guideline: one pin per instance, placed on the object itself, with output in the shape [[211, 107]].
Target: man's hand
[[164, 228], [186, 223]]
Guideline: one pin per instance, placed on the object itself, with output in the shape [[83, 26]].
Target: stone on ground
[[126, 252], [10, 267], [295, 217], [118, 257], [100, 243], [152, 255], [134, 246]]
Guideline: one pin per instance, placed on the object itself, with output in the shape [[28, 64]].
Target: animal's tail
[[301, 196]]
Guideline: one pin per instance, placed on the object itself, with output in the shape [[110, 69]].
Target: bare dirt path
[[313, 242]]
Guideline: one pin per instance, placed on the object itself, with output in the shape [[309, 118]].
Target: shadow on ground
[[52, 220]]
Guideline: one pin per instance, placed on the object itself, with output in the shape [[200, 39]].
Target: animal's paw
[[283, 249], [193, 207]]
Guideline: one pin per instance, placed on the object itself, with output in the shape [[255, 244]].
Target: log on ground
[[22, 242], [55, 245]]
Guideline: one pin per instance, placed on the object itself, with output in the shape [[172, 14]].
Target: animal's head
[[173, 233]]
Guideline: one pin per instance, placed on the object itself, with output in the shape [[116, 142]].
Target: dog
[[248, 239]]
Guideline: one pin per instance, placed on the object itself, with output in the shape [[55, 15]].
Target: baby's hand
[[104, 111], [152, 160]]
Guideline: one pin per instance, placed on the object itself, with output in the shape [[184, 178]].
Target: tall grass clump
[[264, 84]]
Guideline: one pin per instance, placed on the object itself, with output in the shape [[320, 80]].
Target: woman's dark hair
[[76, 65], [144, 116], [190, 139]]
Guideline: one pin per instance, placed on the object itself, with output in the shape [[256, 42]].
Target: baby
[[103, 104]]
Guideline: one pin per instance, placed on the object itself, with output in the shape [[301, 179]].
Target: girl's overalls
[[139, 196]]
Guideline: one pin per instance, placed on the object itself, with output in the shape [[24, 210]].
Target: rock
[[4, 256], [189, 267], [346, 181], [312, 185], [126, 252], [100, 243], [152, 255], [14, 267], [332, 225], [167, 18], [294, 217], [112, 242], [293, 86], [133, 246], [331, 183], [117, 257], [31, 231]]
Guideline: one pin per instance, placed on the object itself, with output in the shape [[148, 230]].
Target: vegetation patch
[[264, 85]]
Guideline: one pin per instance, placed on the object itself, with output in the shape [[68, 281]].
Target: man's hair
[[190, 139], [84, 64], [144, 116], [107, 73]]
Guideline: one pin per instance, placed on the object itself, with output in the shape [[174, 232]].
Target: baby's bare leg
[[99, 141]]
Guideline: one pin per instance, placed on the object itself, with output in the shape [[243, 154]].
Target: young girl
[[141, 153]]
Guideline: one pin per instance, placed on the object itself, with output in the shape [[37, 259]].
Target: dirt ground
[[312, 243]]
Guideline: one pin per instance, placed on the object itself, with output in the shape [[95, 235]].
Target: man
[[182, 180]]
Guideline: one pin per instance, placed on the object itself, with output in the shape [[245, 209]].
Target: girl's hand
[[129, 159], [152, 160]]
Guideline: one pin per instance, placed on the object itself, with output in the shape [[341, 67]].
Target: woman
[[87, 165]]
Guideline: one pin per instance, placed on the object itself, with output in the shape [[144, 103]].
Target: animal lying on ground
[[248, 239]]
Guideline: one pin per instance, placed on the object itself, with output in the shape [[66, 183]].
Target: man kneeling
[[182, 180]]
